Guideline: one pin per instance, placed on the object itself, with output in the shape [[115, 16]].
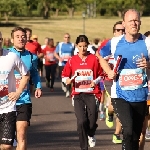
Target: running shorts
[[7, 127], [24, 112]]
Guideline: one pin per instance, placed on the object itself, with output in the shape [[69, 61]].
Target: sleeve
[[20, 66], [67, 71], [34, 73], [105, 51], [57, 49], [98, 71]]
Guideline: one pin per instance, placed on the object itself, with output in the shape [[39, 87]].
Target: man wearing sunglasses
[[64, 50], [104, 50]]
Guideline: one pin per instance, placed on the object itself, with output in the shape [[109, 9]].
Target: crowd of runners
[[100, 86]]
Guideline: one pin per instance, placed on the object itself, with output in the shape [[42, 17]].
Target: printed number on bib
[[131, 79], [18, 78], [50, 56], [83, 80], [66, 56]]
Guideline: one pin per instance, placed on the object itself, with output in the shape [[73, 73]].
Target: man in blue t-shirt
[[129, 90], [64, 50]]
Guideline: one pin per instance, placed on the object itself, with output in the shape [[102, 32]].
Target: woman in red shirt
[[84, 71], [50, 64]]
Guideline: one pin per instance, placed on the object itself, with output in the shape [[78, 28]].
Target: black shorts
[[7, 128], [108, 85], [40, 64], [24, 112]]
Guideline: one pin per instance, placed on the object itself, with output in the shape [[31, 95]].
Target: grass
[[55, 28]]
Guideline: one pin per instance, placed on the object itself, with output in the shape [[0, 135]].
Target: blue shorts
[[101, 85]]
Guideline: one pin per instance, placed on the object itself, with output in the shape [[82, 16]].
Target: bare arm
[[57, 56]]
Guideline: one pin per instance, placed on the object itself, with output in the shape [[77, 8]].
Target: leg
[[79, 107], [139, 111], [47, 72], [23, 118], [123, 111], [8, 124], [53, 73]]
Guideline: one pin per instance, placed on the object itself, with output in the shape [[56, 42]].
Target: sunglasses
[[1, 39], [118, 30], [67, 37]]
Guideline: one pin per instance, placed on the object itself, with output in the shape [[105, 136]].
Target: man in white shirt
[[8, 93]]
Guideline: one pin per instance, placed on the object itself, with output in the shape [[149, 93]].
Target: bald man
[[129, 90]]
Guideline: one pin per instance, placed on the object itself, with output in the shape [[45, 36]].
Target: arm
[[66, 73], [40, 54]]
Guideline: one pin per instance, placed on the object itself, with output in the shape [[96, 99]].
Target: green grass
[[56, 27]]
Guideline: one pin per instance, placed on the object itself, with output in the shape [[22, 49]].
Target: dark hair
[[82, 38], [130, 10], [114, 27], [28, 29], [147, 33], [17, 29]]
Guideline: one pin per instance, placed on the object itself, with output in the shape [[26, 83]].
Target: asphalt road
[[53, 125]]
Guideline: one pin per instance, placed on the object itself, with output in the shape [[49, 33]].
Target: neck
[[1, 51], [82, 56], [132, 38], [19, 50]]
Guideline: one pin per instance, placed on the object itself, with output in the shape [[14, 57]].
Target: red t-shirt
[[49, 55], [33, 47], [88, 70]]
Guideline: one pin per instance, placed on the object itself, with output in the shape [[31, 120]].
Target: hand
[[68, 81], [38, 93], [142, 63], [92, 85], [13, 96], [112, 74]]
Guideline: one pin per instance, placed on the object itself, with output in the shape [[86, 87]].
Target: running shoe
[[102, 116], [47, 84], [91, 141], [116, 139], [109, 121]]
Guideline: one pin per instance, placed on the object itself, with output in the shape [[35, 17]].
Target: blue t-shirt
[[65, 51], [131, 83]]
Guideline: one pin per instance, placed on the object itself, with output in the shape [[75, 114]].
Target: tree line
[[92, 8]]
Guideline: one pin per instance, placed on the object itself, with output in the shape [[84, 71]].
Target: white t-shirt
[[89, 49], [43, 46], [8, 63]]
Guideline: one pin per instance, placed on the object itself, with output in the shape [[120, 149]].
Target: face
[[46, 41], [119, 30], [132, 22], [28, 34], [51, 42], [82, 47], [19, 40], [7, 42], [1, 40], [67, 38]]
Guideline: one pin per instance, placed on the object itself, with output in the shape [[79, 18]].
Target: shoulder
[[29, 54]]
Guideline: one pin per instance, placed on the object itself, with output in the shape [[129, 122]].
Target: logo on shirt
[[135, 58]]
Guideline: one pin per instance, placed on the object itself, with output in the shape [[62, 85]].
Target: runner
[[129, 90], [104, 51], [24, 105], [8, 94], [50, 64], [86, 69], [35, 48], [64, 50]]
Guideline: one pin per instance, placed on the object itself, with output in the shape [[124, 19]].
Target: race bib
[[18, 78], [66, 56], [83, 80], [50, 56], [131, 79]]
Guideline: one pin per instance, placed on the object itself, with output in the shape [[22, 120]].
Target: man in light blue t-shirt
[[63, 52]]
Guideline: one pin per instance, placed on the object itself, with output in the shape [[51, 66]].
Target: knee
[[82, 123], [127, 132], [6, 147]]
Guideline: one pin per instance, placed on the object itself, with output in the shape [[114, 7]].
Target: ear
[[12, 40], [123, 23]]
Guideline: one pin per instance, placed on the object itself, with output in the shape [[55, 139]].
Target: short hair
[[147, 33], [67, 34], [114, 27], [17, 29], [133, 10], [82, 38], [28, 29]]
